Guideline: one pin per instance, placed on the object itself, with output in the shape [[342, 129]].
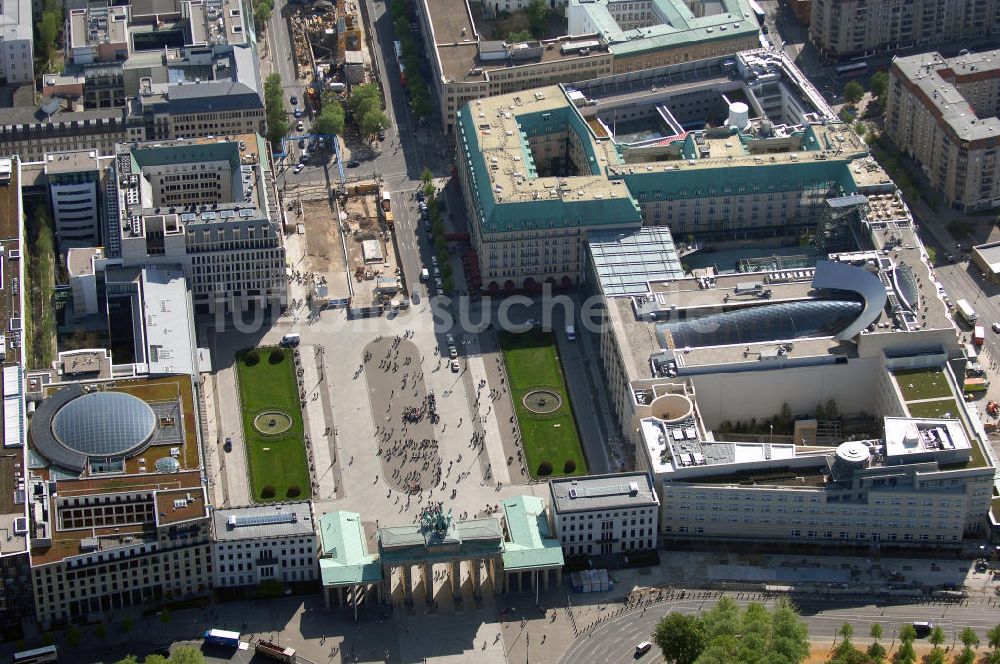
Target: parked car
[[452, 352], [454, 366], [300, 125], [228, 446], [297, 112], [354, 163], [302, 144], [298, 168], [294, 100]]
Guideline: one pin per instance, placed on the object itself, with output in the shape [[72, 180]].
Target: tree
[[126, 625], [374, 122], [262, 13], [330, 120], [879, 84], [876, 653], [993, 638], [165, 616], [73, 636], [790, 635], [518, 36], [537, 11], [155, 659], [680, 637], [274, 109], [853, 92], [905, 654], [907, 634], [187, 655], [846, 653], [937, 636], [364, 98], [101, 631], [128, 659], [426, 176], [970, 641]]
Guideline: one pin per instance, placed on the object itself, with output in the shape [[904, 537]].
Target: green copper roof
[[345, 559], [680, 27], [531, 545]]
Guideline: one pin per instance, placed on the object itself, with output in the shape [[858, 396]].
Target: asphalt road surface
[[613, 641]]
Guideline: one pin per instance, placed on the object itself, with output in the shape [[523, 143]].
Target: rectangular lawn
[[532, 363], [277, 462], [926, 384]]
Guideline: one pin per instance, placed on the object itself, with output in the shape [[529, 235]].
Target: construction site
[[347, 250], [328, 44]]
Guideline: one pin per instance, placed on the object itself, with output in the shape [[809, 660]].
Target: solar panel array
[[264, 519]]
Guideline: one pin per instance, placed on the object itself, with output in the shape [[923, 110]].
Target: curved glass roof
[[104, 423], [906, 283], [760, 324]]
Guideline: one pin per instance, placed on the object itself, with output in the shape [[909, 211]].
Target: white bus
[[966, 311], [36, 656], [852, 69]]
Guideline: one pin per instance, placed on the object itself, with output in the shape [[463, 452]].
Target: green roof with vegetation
[[918, 384]]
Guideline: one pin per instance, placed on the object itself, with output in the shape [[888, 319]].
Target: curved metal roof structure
[[841, 276], [780, 321], [71, 426]]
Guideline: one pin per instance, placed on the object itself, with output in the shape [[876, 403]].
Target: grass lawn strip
[[275, 461], [927, 384], [532, 363]]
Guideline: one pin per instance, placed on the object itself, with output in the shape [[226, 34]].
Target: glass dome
[[104, 424]]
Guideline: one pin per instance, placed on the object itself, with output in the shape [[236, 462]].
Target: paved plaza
[[405, 429]]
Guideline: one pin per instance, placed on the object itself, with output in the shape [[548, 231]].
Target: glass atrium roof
[[763, 323], [104, 423]]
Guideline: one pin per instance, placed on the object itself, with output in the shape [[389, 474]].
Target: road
[[613, 641]]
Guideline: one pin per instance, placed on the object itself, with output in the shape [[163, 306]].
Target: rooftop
[[12, 458], [15, 20], [70, 162], [530, 544], [416, 543], [263, 522], [626, 263], [938, 83], [170, 346], [666, 23], [178, 497], [601, 492], [458, 43], [344, 554], [171, 400]]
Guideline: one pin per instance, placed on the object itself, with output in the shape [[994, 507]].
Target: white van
[[424, 275], [571, 333], [643, 648], [291, 339]]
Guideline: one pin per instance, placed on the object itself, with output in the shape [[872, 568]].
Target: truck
[[221, 637], [978, 335], [292, 339], [966, 311], [274, 651], [386, 202]]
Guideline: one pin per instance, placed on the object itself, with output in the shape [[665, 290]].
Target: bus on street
[[852, 69]]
